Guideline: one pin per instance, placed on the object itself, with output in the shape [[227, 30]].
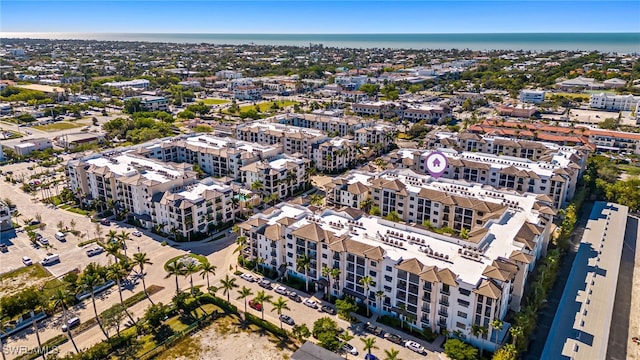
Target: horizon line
[[318, 33]]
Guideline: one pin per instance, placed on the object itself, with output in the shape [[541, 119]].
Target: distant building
[[614, 102], [615, 83], [190, 84], [26, 147], [5, 217], [71, 141], [228, 74], [350, 82], [136, 84], [579, 83], [153, 103], [518, 111], [247, 93], [532, 96]]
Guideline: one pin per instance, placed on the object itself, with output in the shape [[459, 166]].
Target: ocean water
[[604, 42]]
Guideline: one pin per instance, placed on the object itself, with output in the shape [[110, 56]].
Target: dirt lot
[[226, 340]]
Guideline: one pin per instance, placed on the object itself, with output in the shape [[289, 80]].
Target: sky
[[312, 17]]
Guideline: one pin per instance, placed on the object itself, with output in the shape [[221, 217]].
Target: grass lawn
[[76, 210], [266, 106], [630, 169], [549, 96], [57, 126], [35, 271], [214, 101], [200, 258]]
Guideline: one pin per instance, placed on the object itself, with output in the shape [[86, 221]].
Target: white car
[[95, 250], [136, 233], [414, 346], [310, 303], [281, 290], [247, 277], [27, 261], [350, 349], [43, 241]]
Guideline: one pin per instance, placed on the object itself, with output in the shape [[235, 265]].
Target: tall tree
[[62, 298], [228, 283], [245, 292], [279, 305], [369, 344], [366, 281], [175, 268], [141, 260], [119, 272], [262, 298], [391, 354], [88, 282], [189, 269], [206, 269]]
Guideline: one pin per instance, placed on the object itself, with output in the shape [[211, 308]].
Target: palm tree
[[479, 331], [379, 296], [176, 269], [62, 298], [72, 224], [118, 272], [189, 269], [262, 298], [88, 282], [496, 324], [123, 237], [278, 306], [366, 204], [335, 275], [228, 283], [99, 232], [316, 199], [112, 235], [141, 260], [304, 263], [113, 250], [516, 331], [206, 269], [245, 292], [391, 354], [366, 281], [257, 186], [241, 241], [369, 343]]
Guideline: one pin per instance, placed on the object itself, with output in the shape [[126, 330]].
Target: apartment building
[[217, 156], [331, 124], [334, 154], [196, 207], [432, 114], [614, 102], [293, 139], [433, 281], [228, 74], [556, 178], [351, 82], [247, 93], [155, 193], [153, 103], [518, 111], [499, 145], [378, 109], [532, 96], [283, 175], [615, 141]]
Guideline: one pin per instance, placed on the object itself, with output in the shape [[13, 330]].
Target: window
[[388, 269], [464, 292], [374, 264], [462, 314], [460, 325]]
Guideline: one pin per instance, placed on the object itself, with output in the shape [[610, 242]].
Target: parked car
[[294, 296], [328, 309], [51, 259], [255, 305], [373, 329], [394, 338], [310, 303], [414, 346], [265, 283], [27, 261], [71, 323], [136, 233], [247, 277], [95, 251], [105, 222], [280, 290], [350, 349], [287, 320], [43, 241]]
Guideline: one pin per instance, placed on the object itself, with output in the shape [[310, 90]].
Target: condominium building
[[378, 109], [500, 145], [614, 102], [5, 217], [228, 74], [375, 134], [556, 178], [283, 175], [217, 156], [293, 139], [154, 193], [331, 124], [153, 103], [334, 154], [432, 114], [247, 93], [432, 280]]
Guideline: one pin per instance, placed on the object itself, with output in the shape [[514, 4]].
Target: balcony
[[273, 253], [445, 291], [443, 302], [426, 309], [442, 322], [426, 298], [443, 313]]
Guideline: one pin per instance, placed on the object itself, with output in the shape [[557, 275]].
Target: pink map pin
[[436, 164]]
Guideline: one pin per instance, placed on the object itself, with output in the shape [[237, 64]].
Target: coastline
[[602, 42]]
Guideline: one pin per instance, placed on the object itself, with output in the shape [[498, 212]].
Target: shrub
[[272, 328]]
